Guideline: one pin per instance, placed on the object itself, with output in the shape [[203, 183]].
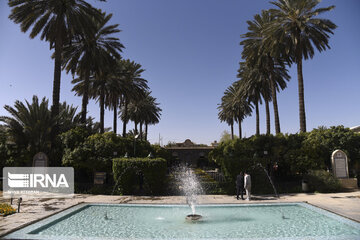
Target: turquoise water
[[290, 221]]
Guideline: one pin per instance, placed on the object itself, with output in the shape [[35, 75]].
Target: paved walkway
[[345, 204]]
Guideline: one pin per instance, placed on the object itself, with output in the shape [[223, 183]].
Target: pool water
[[255, 221]]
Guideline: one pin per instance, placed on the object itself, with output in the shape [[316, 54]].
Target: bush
[[322, 181], [130, 174], [88, 154], [289, 157], [160, 152], [6, 209]]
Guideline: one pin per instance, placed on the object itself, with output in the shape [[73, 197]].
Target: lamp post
[[135, 137], [19, 202]]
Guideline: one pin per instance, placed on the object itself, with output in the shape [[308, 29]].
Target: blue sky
[[190, 50]]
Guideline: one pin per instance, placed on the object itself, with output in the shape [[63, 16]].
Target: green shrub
[[322, 181], [127, 173], [292, 154], [89, 154]]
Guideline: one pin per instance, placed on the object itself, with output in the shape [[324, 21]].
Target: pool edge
[[81, 204], [39, 219]]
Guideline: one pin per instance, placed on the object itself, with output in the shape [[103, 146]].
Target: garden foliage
[[288, 157], [130, 173], [91, 153], [322, 181]]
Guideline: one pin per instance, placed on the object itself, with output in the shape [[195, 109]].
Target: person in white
[[247, 186]]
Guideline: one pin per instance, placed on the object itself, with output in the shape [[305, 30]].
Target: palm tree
[[256, 84], [30, 124], [250, 88], [272, 69], [234, 107], [152, 112], [135, 86], [296, 25], [100, 84], [144, 111], [57, 21], [68, 117], [119, 87], [113, 97], [83, 55], [226, 114]]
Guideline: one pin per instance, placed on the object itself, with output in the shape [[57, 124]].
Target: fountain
[[271, 182], [190, 187]]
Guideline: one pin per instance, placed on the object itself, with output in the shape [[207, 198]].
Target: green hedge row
[[140, 175]]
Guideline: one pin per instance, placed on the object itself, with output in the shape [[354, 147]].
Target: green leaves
[[127, 172], [295, 153], [31, 123]]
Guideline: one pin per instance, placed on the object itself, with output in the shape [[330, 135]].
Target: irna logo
[[36, 180]]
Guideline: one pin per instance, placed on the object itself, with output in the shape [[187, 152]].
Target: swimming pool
[[248, 221]]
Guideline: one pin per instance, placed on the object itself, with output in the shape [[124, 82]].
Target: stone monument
[[339, 162], [340, 166], [40, 160]]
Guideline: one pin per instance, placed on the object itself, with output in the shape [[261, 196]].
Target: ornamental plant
[[6, 209]]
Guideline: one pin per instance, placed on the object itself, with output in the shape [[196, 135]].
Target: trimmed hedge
[[129, 171]]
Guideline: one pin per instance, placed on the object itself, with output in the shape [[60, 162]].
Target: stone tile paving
[[345, 204]]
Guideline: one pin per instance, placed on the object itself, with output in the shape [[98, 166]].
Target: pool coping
[[344, 204], [39, 219], [331, 211], [74, 208]]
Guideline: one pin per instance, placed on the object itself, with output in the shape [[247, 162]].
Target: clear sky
[[190, 50]]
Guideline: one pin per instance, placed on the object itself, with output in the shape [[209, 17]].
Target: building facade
[[190, 153]]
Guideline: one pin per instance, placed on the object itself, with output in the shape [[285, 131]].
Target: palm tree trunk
[[56, 88], [301, 96], [232, 131], [57, 76], [141, 132], [125, 117], [85, 98], [115, 116], [102, 109], [257, 119], [146, 131], [240, 132], [267, 117], [275, 105]]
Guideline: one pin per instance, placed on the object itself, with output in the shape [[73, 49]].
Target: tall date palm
[[296, 25], [251, 87], [57, 21], [271, 68], [233, 107], [135, 86], [85, 54]]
